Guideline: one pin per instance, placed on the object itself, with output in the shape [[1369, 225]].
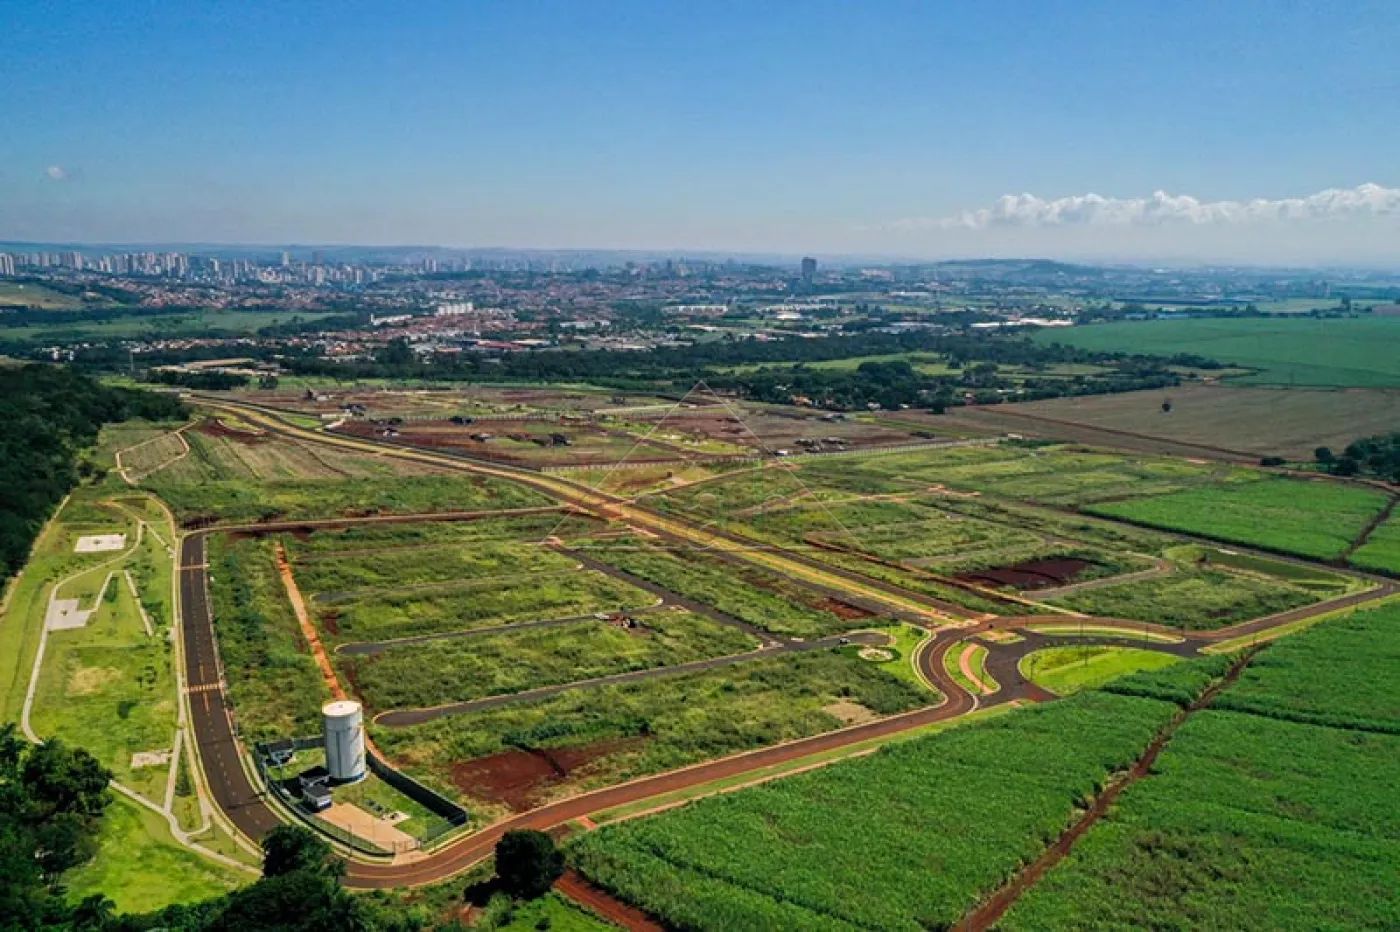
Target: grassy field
[[158, 325], [368, 540], [272, 679], [1382, 549], [749, 593], [385, 568], [233, 475], [1067, 670], [469, 604], [439, 672], [1260, 421], [906, 838], [1255, 817], [17, 294], [640, 728], [110, 688], [141, 868], [1343, 353], [1194, 599], [1311, 519]]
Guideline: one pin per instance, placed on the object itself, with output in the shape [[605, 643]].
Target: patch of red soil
[[843, 609], [331, 622], [1032, 574], [216, 428], [518, 778], [605, 904]]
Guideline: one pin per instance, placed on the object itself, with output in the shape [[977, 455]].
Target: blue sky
[[878, 127]]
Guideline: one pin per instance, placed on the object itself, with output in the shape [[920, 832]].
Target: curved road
[[245, 806]]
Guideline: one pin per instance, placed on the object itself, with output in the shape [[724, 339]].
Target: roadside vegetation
[[1068, 670], [272, 679]]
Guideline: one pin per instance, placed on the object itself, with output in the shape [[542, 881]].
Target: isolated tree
[[1166, 407], [290, 848], [528, 863], [1324, 455]]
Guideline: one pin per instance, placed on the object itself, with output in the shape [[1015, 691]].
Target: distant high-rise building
[[809, 268], [7, 264], [286, 260]]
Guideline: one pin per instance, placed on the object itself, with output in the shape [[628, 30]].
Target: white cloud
[[56, 173], [1027, 210]]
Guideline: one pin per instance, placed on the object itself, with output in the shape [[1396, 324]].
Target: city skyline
[[1100, 132]]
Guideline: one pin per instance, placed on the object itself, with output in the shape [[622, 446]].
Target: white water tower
[[345, 740]]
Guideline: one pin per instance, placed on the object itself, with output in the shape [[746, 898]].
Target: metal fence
[[447, 816]]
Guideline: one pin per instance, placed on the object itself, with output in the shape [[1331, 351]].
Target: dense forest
[[48, 413]]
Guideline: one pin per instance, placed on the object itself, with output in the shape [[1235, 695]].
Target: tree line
[[1376, 457], [48, 414]]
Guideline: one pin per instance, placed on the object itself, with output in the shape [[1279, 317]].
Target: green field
[[1067, 670], [387, 569], [907, 838], [160, 325], [229, 478], [1347, 353], [439, 672], [27, 294], [1194, 599], [1382, 549], [749, 593], [272, 679], [661, 724], [1271, 810], [141, 868], [1311, 519], [468, 604]]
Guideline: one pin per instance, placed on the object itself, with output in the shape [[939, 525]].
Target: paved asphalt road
[[237, 797], [218, 751]]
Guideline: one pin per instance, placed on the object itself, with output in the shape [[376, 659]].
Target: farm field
[[1068, 670], [1256, 421], [1343, 353], [439, 672], [919, 823], [1254, 816], [1311, 519], [518, 756], [1381, 551], [1055, 474]]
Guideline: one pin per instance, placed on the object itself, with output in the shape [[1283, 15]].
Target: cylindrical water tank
[[345, 740]]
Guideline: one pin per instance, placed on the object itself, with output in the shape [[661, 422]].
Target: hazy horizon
[[1195, 133]]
